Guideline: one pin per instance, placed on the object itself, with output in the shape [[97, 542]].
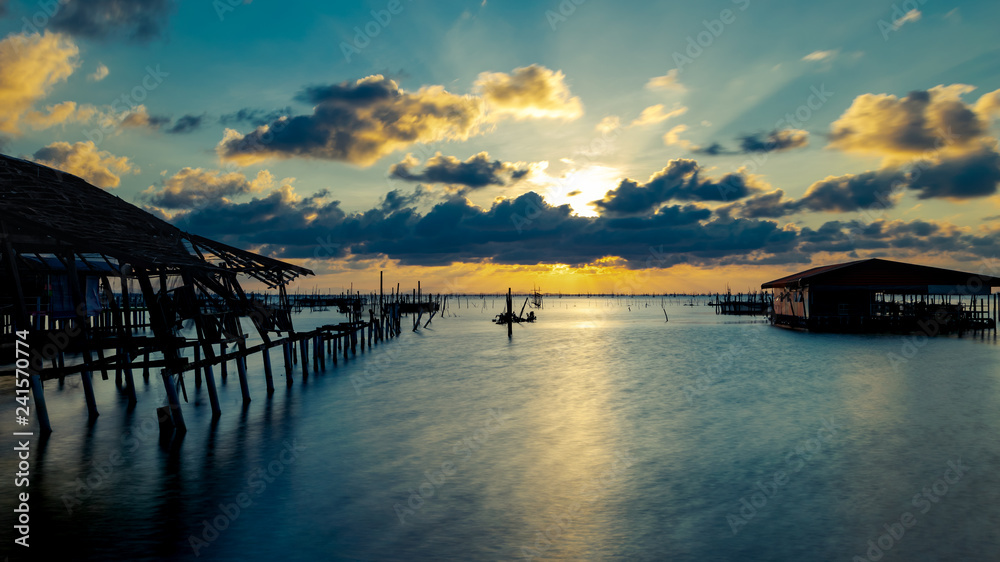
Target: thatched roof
[[46, 211]]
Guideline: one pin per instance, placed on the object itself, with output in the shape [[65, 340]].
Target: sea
[[626, 428]]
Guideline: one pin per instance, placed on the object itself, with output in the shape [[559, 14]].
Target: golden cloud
[[358, 122], [529, 92], [924, 123], [30, 65], [655, 114], [83, 159]]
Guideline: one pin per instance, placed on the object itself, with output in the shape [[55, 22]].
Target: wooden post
[[129, 381], [510, 315], [304, 348], [244, 387], [41, 410], [268, 376], [197, 371], [286, 348], [79, 298], [224, 368]]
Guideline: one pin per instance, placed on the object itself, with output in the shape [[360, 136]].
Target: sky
[[574, 145]]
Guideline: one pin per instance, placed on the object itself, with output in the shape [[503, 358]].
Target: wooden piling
[[244, 387], [41, 410], [268, 376], [304, 348]]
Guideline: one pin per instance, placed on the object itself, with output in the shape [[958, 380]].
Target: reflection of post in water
[[510, 315]]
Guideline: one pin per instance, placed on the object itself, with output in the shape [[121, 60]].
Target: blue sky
[[663, 126]]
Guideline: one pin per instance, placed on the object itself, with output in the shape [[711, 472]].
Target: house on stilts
[[877, 295], [81, 271]]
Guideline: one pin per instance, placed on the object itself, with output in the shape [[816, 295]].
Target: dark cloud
[[186, 124], [358, 122], [523, 230], [775, 141], [975, 174], [853, 192], [253, 116], [526, 230], [135, 20], [714, 149], [3, 8], [396, 200], [765, 205], [476, 172], [680, 180]]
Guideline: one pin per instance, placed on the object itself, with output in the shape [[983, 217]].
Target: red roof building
[[882, 295]]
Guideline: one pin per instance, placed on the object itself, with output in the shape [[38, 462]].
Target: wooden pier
[[92, 284], [740, 304]]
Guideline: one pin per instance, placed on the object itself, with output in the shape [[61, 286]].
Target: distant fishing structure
[[510, 319]]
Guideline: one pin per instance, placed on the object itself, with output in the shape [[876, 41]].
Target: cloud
[[853, 192], [83, 159], [186, 124], [964, 176], [139, 118], [988, 105], [666, 82], [655, 114], [531, 92], [135, 20], [30, 66], [673, 137], [609, 124], [527, 230], [59, 114], [254, 116], [821, 56], [911, 16], [476, 172], [922, 122], [955, 177], [680, 180], [284, 225], [194, 187], [100, 73], [775, 141], [3, 7], [358, 122]]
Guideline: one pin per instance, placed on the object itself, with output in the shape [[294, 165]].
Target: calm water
[[599, 433]]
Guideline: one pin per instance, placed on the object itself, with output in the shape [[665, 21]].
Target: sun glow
[[580, 186]]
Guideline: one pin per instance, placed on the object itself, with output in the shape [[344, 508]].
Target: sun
[[580, 186]]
